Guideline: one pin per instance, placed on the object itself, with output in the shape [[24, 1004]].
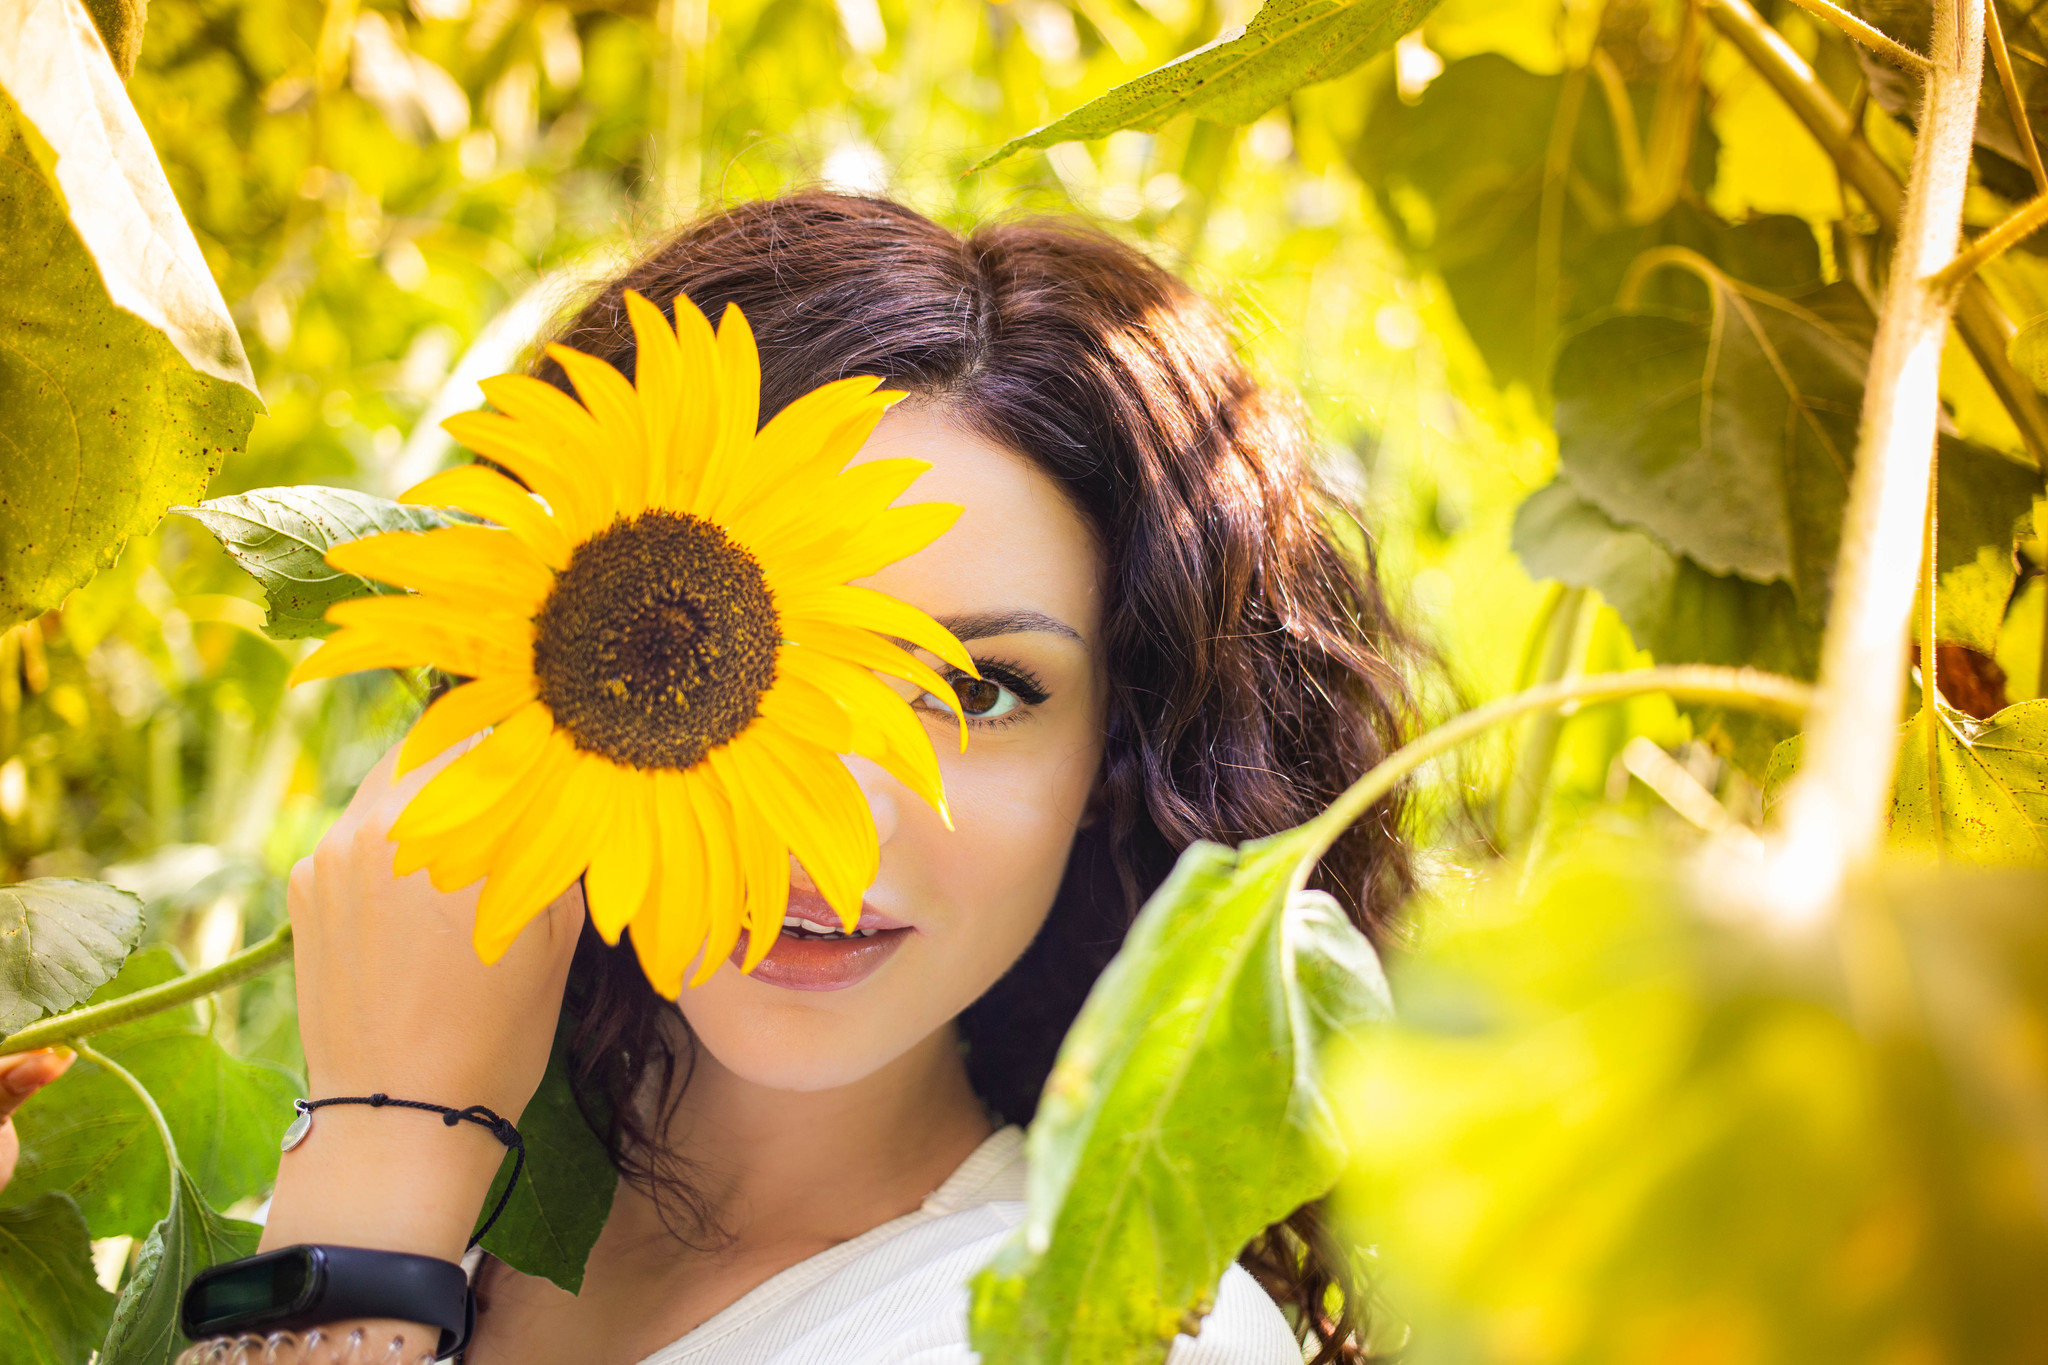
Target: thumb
[[24, 1073]]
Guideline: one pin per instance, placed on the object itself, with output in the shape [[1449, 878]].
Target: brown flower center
[[657, 642]]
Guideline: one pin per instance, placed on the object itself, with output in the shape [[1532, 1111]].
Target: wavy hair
[[1249, 652]]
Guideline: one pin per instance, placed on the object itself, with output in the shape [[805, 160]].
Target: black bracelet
[[499, 1128]]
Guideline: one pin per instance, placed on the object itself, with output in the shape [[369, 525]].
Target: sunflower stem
[[1746, 688], [69, 1028]]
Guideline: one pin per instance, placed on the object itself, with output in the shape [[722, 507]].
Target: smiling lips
[[803, 961]]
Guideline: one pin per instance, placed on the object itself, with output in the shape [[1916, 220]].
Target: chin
[[785, 1040]]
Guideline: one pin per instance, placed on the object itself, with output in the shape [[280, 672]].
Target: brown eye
[[982, 698]]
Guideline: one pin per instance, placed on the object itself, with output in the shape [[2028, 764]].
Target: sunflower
[[659, 634]]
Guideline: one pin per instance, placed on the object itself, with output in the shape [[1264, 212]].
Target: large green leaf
[[1984, 796], [1728, 437], [52, 1310], [1627, 1119], [89, 1136], [565, 1194], [60, 940], [1186, 1112], [282, 536], [190, 1238], [1460, 178], [1243, 73], [121, 373]]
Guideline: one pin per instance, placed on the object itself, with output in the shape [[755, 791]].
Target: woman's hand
[[393, 998], [21, 1075]]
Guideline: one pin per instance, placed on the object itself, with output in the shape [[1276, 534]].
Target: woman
[[1174, 643]]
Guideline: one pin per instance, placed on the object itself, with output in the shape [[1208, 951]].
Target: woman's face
[[1017, 579]]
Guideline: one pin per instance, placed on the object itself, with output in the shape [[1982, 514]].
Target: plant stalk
[[1876, 39], [1834, 809], [1563, 654], [1744, 688], [2019, 225], [1980, 322], [2015, 103], [156, 1114], [67, 1029]]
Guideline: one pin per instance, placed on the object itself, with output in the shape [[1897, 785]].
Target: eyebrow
[[980, 625]]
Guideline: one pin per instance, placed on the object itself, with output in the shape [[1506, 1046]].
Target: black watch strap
[[311, 1286]]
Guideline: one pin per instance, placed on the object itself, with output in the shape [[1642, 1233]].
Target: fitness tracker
[[310, 1286]]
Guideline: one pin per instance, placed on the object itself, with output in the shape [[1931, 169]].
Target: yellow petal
[[739, 408], [486, 493], [819, 431], [622, 867], [460, 713], [813, 805], [724, 889], [693, 457], [685, 913], [829, 510], [885, 728], [842, 604], [468, 849], [620, 455], [762, 866], [895, 533], [658, 381], [544, 460], [809, 712], [544, 852], [467, 642], [484, 564], [480, 779]]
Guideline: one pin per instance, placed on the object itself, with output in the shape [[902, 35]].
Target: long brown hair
[[1248, 649]]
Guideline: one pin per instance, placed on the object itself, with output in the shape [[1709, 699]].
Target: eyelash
[[1021, 682]]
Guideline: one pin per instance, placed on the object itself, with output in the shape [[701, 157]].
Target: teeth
[[792, 925]]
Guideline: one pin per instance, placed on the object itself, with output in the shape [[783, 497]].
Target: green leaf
[[282, 536], [190, 1238], [1243, 73], [2028, 352], [89, 1137], [1187, 1110], [121, 373], [1984, 798], [565, 1194], [1631, 1118], [1460, 180], [60, 940], [1988, 800], [1985, 502], [52, 1310], [1727, 437]]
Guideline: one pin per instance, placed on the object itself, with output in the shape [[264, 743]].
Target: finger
[[24, 1073], [10, 1152], [397, 795]]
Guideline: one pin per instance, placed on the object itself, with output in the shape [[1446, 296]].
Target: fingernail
[[32, 1073]]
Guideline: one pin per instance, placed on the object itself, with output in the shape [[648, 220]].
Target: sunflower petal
[[819, 431], [827, 513], [693, 456], [541, 459], [460, 713], [842, 604], [739, 410], [686, 913], [763, 869], [621, 450], [486, 493], [622, 865], [813, 805], [484, 564], [481, 779], [457, 640], [809, 712], [544, 852], [885, 728], [658, 385], [895, 533]]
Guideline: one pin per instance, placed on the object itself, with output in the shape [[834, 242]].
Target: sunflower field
[[1686, 361]]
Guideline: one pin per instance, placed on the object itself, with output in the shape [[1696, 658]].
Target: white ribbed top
[[897, 1295]]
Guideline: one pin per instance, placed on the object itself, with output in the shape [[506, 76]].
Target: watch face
[[245, 1293]]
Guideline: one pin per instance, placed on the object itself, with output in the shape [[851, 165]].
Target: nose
[[882, 791]]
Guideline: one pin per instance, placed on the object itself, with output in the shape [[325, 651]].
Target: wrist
[[388, 1179]]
